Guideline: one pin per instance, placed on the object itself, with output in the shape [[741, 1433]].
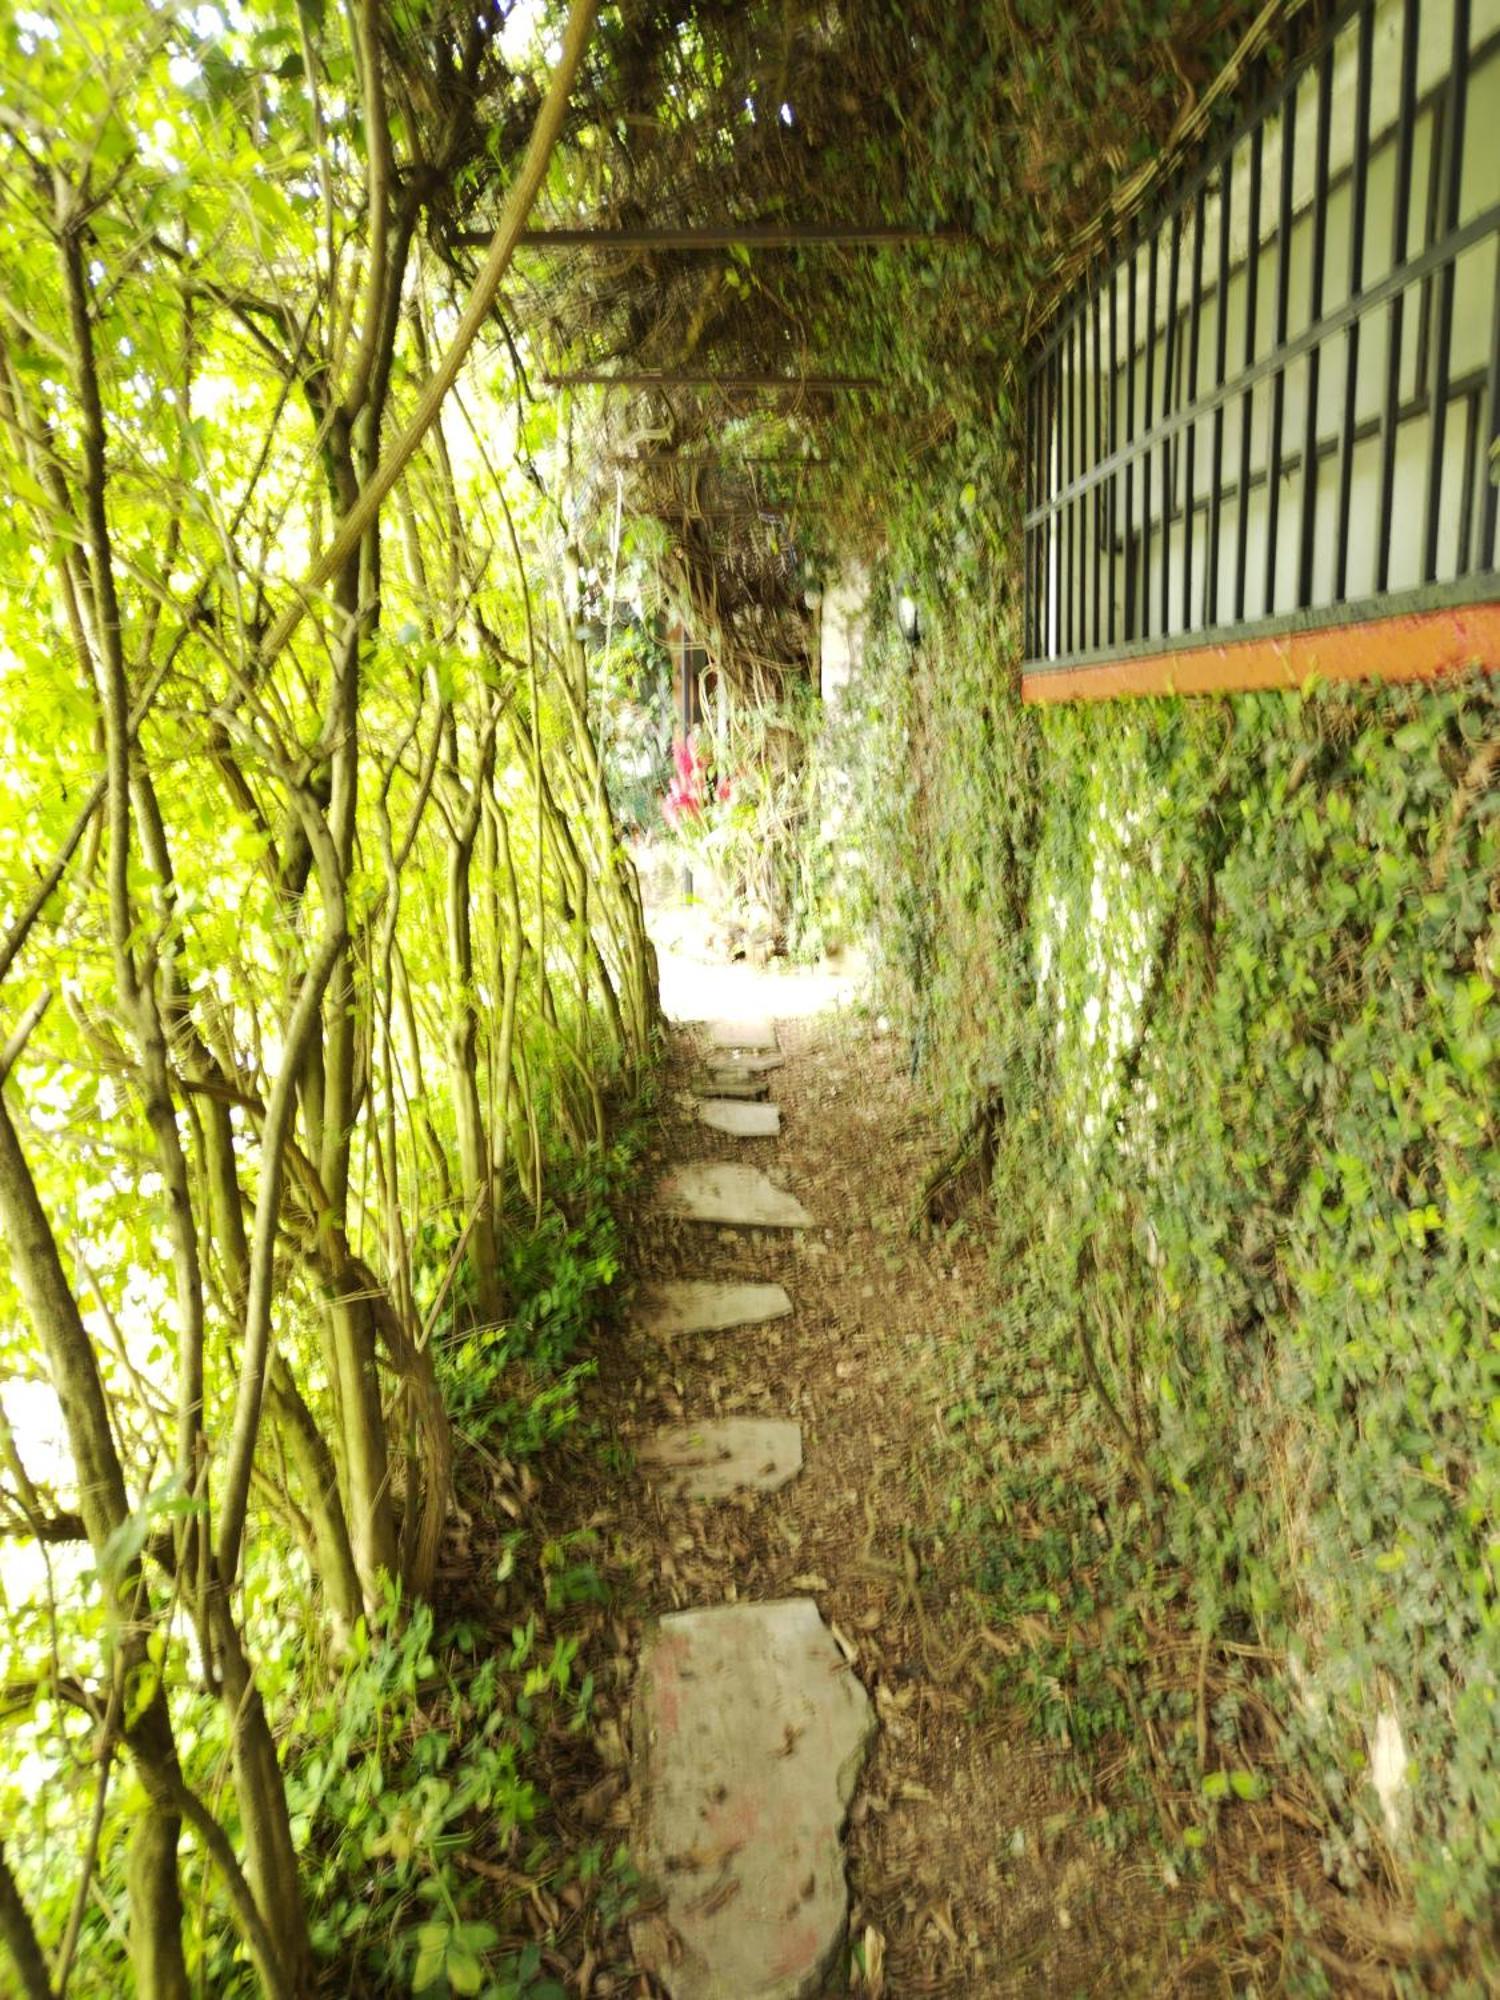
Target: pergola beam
[[796, 385], [718, 461], [729, 236]]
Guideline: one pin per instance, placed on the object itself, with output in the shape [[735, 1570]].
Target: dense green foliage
[[427, 1747], [421, 1740], [1225, 975]]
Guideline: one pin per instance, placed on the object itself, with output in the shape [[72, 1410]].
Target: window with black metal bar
[[1274, 408]]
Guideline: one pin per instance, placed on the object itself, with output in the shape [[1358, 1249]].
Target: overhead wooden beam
[[722, 461], [730, 236], [818, 385], [774, 511]]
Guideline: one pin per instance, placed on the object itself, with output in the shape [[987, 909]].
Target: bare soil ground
[[972, 1868]]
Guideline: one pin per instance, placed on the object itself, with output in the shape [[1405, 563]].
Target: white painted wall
[[1475, 328]]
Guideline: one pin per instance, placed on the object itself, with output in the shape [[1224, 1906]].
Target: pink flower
[[685, 795]]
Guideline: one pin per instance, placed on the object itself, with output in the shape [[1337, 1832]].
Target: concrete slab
[[744, 1035], [709, 1461], [743, 1197], [735, 1083], [758, 1064], [741, 1121], [697, 1305], [749, 1733]]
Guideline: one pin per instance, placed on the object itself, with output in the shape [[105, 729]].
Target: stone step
[[741, 1197], [699, 1305], [749, 1732], [741, 1121], [758, 1064], [735, 1083], [758, 1035], [709, 1461]]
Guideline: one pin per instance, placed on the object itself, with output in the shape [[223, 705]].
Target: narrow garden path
[[812, 1702]]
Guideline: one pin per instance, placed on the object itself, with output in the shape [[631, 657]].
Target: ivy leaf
[[429, 1965], [465, 1972]]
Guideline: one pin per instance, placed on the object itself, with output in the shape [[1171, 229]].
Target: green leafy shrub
[[426, 1741]]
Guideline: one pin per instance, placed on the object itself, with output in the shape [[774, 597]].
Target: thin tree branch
[[280, 1112], [518, 205], [26, 1027], [377, 203], [19, 1935]]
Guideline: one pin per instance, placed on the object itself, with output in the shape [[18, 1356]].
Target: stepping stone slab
[[735, 1083], [741, 1121], [756, 1064], [710, 1461], [744, 1035], [700, 1306], [743, 1197], [749, 1733]]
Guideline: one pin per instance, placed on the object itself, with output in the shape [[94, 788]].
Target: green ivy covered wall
[[1220, 976]]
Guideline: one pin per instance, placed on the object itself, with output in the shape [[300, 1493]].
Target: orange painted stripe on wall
[[1407, 646]]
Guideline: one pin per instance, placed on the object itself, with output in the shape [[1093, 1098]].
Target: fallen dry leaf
[[597, 1800], [717, 1898], [870, 1972], [846, 1646], [998, 1643], [610, 1745], [942, 1922]]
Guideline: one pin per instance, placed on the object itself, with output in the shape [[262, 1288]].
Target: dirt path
[[973, 1869]]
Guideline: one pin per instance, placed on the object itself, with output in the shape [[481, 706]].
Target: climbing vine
[[1224, 976]]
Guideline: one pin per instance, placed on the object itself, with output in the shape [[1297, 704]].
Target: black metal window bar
[[1278, 404]]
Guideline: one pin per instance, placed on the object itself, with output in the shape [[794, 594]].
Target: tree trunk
[[155, 1899], [318, 1477], [156, 1906], [19, 1938], [367, 1501], [463, 1053], [270, 1858]]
